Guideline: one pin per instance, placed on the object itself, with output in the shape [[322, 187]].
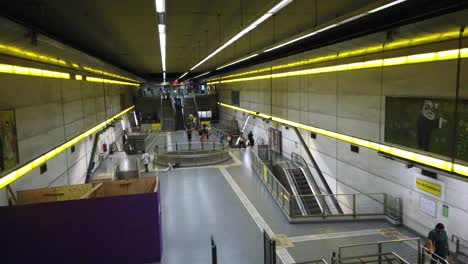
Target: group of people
[[243, 143], [192, 125]]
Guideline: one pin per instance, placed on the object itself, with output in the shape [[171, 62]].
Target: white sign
[[428, 206]]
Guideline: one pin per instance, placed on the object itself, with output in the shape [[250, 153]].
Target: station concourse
[[215, 131]]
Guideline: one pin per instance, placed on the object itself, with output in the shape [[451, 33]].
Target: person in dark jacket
[[250, 138], [438, 237]]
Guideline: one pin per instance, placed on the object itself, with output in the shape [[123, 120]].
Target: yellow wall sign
[[430, 187], [207, 122], [265, 173], [156, 126]]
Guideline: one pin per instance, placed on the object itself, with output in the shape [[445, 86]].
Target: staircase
[[190, 106], [167, 115], [305, 192], [179, 117]]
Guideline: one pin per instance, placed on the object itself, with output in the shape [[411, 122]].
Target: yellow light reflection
[[14, 69], [401, 153], [93, 79], [429, 38], [410, 59], [24, 169]]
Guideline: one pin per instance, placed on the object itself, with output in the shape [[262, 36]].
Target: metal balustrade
[[358, 205], [191, 154]]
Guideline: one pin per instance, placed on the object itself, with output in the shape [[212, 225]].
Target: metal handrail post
[[385, 204], [379, 247], [419, 257], [354, 205]]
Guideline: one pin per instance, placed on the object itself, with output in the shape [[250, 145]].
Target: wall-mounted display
[[8, 140], [427, 124]]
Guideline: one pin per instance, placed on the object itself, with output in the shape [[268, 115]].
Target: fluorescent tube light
[[136, 120], [351, 19], [334, 25], [201, 75], [302, 37], [257, 22], [182, 75], [160, 6], [237, 61], [386, 6]]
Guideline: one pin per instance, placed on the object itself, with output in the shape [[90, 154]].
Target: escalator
[[309, 201], [190, 106], [179, 117], [294, 180], [167, 115]]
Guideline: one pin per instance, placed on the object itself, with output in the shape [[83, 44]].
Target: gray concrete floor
[[200, 202]]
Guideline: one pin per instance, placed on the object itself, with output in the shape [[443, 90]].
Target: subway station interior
[[234, 131]]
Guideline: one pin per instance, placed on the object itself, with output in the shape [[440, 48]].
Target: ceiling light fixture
[[200, 75], [182, 75], [334, 25], [387, 6], [160, 6], [161, 9], [257, 22], [237, 61]]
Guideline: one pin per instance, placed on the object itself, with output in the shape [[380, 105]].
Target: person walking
[[242, 141], [438, 237], [250, 137], [189, 133], [146, 160]]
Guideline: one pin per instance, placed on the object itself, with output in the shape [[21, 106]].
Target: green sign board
[[445, 210], [427, 124]]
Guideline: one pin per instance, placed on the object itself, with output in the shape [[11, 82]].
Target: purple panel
[[120, 229]]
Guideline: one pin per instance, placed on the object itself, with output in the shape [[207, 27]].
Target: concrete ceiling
[[124, 32]]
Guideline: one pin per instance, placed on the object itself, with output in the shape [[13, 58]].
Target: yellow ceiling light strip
[[29, 54], [401, 153], [14, 69], [108, 74], [94, 79], [430, 38], [410, 59], [14, 175], [8, 49]]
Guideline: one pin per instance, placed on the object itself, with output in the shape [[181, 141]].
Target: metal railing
[[353, 205], [357, 204], [279, 192], [301, 163], [426, 256], [461, 246], [191, 154], [379, 252], [318, 261]]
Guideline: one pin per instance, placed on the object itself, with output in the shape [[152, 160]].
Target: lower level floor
[[231, 204]]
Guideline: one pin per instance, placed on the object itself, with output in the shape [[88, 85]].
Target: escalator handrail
[[319, 172], [292, 182], [319, 202], [301, 164]]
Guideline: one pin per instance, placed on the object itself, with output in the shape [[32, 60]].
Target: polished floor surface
[[230, 203]]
